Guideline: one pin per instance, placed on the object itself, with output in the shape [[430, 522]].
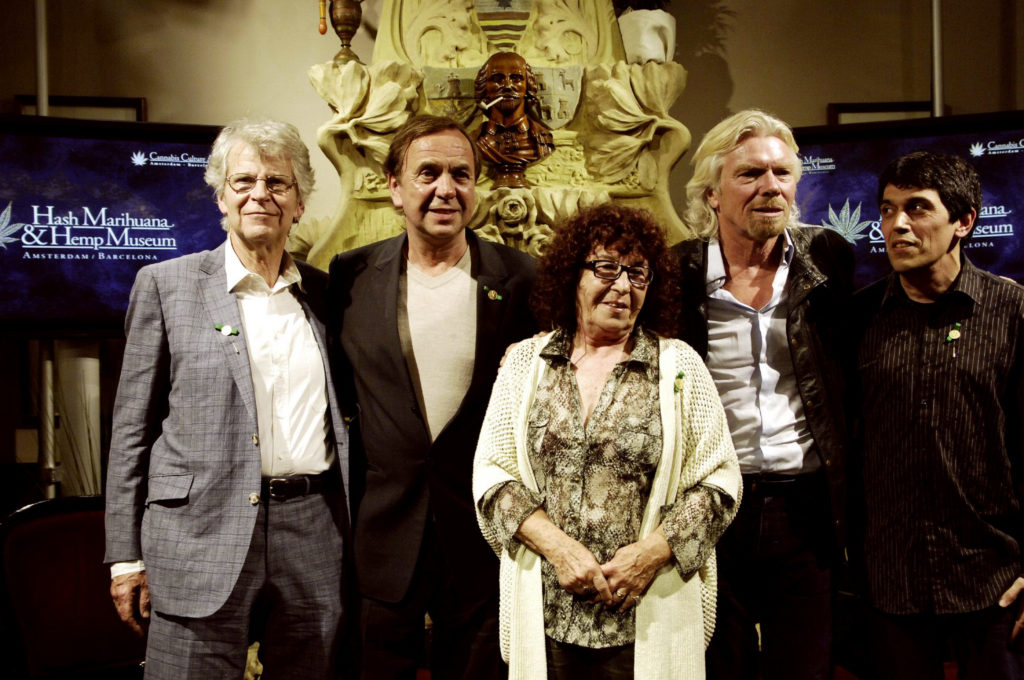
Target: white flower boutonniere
[[225, 329]]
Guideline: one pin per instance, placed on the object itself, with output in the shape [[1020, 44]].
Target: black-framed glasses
[[610, 270], [241, 183]]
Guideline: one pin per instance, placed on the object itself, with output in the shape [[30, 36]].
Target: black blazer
[[819, 290], [399, 478]]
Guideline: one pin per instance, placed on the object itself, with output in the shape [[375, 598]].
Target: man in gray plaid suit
[[228, 473]]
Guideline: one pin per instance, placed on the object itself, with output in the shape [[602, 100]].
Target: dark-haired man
[[941, 366], [423, 319]]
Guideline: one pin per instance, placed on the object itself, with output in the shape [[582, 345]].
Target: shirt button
[[254, 498], [255, 440]]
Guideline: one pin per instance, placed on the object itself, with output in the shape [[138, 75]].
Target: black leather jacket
[[818, 289]]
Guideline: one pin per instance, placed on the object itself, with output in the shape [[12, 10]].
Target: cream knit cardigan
[[676, 617]]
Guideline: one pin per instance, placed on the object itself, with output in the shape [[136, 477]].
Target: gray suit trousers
[[290, 583]]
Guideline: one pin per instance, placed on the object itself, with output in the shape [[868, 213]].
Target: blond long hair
[[710, 156]]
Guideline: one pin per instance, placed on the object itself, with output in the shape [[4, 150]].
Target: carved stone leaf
[[343, 88], [657, 86], [393, 86], [623, 128], [555, 205], [372, 103]]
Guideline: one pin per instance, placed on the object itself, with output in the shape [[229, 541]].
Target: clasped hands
[[619, 583]]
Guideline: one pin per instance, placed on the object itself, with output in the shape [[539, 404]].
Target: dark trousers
[[572, 662], [774, 570], [914, 646], [288, 595], [464, 635]]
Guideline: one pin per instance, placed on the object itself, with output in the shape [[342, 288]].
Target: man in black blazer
[[423, 319], [765, 302]]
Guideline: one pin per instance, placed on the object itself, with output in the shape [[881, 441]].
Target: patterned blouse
[[594, 481]]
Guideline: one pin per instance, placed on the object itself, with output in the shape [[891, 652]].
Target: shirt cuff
[[693, 525], [505, 506], [122, 568]]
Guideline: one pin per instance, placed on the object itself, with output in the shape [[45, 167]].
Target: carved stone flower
[[512, 210]]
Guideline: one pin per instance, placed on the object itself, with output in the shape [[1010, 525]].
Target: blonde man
[[763, 299]]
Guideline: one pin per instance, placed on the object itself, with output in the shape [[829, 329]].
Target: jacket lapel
[[222, 308], [803, 275], [386, 267], [341, 446], [491, 293]]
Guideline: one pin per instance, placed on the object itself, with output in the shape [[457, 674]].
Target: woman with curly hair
[[605, 472]]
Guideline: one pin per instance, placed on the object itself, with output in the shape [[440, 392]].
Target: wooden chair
[[55, 609]]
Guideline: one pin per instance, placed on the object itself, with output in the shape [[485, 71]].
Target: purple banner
[[841, 166], [83, 207]]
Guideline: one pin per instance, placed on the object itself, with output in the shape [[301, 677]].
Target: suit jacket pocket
[[169, 489]]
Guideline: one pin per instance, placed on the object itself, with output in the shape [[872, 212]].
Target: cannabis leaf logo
[[138, 158], [847, 222], [977, 149], [7, 230]]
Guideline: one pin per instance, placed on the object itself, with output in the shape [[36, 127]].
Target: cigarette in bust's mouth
[[491, 103]]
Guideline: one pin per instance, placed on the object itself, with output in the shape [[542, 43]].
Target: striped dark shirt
[[942, 396]]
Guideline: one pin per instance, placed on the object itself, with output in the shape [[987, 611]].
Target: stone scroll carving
[[609, 124]]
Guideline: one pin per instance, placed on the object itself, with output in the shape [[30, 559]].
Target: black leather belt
[[779, 485], [293, 486]]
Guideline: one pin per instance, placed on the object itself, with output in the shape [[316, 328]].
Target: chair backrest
[[56, 591]]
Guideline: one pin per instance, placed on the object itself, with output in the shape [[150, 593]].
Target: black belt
[[293, 486], [779, 485]]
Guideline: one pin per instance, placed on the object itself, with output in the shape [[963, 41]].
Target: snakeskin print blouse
[[594, 480]]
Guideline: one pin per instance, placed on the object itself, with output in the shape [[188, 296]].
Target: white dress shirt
[[288, 374], [749, 359]]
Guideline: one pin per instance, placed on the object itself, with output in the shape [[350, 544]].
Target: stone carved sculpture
[[628, 109], [611, 132]]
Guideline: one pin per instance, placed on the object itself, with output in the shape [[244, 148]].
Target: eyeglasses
[[610, 270], [243, 184]]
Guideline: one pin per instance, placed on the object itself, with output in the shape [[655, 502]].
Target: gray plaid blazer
[[184, 454]]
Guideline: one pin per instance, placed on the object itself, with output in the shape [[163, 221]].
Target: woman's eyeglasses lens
[[610, 270]]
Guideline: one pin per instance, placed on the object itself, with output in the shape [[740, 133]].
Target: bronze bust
[[511, 137]]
